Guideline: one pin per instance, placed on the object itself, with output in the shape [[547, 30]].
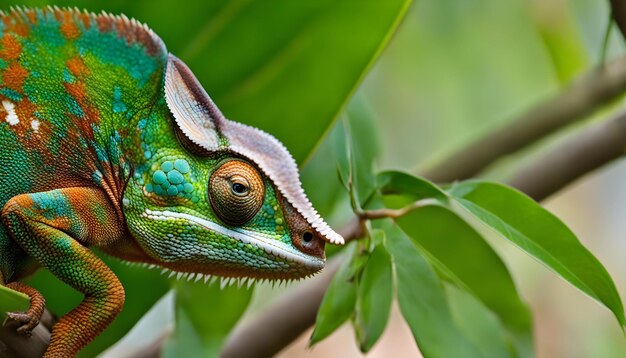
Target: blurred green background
[[454, 70]]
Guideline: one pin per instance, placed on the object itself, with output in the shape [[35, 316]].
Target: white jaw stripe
[[270, 246]]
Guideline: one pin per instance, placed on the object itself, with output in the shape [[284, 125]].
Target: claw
[[28, 322]]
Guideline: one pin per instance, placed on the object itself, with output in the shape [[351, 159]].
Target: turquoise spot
[[172, 191], [118, 105], [181, 194], [194, 199], [167, 166], [158, 190], [14, 96], [187, 187], [101, 153], [166, 185], [175, 177], [180, 187], [147, 154], [182, 166], [159, 177], [74, 108], [97, 176], [68, 77], [149, 188]]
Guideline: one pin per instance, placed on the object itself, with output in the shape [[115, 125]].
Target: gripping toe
[[28, 322], [29, 319]]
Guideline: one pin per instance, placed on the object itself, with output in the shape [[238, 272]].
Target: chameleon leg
[[31, 317], [53, 227]]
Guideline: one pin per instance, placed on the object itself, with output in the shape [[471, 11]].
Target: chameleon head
[[226, 200]]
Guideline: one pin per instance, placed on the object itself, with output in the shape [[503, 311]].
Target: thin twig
[[394, 213]]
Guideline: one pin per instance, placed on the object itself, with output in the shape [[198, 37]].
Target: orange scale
[[11, 47], [13, 76], [32, 16], [15, 26], [77, 66]]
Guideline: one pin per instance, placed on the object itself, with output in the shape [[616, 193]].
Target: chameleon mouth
[[270, 246]]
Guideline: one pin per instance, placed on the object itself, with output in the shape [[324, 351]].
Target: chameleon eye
[[236, 192], [239, 189]]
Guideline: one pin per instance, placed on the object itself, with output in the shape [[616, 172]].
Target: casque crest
[[203, 124]]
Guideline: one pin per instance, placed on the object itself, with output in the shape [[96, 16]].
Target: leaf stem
[[394, 213]]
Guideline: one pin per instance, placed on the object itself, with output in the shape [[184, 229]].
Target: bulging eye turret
[[236, 192]]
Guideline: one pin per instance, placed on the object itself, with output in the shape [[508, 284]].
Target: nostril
[[308, 242]]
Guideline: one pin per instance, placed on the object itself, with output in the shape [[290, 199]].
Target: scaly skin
[[95, 152]]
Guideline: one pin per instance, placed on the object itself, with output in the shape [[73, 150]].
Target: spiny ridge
[[211, 279]]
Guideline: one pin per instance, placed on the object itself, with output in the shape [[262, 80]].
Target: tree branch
[[297, 312], [580, 99], [298, 309], [584, 151], [579, 154], [13, 344]]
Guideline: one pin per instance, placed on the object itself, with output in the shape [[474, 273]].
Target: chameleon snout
[[303, 236]]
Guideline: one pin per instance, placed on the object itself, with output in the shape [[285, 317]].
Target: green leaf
[[540, 234], [478, 323], [393, 182], [339, 300], [361, 143], [365, 146], [319, 174], [473, 265], [423, 302], [205, 314], [356, 134], [565, 48], [303, 63], [375, 292], [12, 301]]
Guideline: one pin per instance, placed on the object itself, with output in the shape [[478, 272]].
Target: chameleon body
[[108, 141]]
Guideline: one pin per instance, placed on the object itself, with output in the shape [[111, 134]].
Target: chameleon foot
[[28, 322], [29, 319]]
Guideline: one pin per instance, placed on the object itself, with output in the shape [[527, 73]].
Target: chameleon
[[109, 142]]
